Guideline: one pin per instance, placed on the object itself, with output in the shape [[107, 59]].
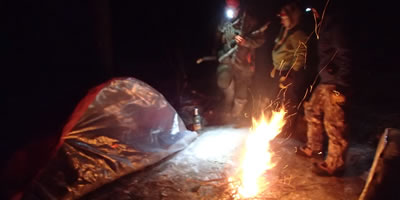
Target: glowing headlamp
[[308, 9], [230, 13]]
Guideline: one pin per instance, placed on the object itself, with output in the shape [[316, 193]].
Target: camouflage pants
[[224, 76], [226, 85], [242, 75], [324, 112]]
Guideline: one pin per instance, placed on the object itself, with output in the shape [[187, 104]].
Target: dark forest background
[[55, 51]]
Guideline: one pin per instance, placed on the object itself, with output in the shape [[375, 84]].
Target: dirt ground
[[201, 171]]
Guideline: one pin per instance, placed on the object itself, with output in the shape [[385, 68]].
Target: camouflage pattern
[[224, 76], [243, 78], [325, 112], [243, 60], [228, 31], [237, 65]]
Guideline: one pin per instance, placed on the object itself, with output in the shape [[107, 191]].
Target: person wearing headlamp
[[329, 104]]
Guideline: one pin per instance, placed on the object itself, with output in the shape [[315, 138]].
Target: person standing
[[226, 36], [289, 61], [237, 64], [243, 61]]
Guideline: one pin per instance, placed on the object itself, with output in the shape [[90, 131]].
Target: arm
[[297, 41], [343, 59], [255, 39], [335, 55]]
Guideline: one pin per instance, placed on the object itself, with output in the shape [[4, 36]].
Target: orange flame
[[257, 157]]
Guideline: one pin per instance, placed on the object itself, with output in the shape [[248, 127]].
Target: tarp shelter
[[120, 127]]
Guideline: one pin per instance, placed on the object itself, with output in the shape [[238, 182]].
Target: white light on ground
[[219, 143]]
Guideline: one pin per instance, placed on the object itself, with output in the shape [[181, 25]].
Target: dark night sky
[[55, 51]]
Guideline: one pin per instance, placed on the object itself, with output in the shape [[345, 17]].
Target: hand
[[240, 40]]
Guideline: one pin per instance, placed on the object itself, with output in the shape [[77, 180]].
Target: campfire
[[257, 156]]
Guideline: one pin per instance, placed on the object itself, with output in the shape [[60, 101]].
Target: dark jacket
[[335, 52]]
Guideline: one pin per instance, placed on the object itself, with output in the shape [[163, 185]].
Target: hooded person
[[290, 50], [289, 60]]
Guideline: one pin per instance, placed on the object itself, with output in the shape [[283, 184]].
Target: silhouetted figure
[[289, 60], [326, 110]]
